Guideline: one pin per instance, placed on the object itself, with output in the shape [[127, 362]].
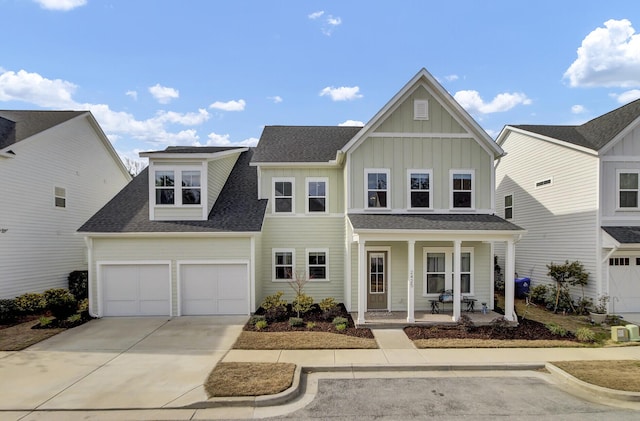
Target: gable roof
[[192, 150], [17, 125], [236, 210], [302, 143], [594, 134]]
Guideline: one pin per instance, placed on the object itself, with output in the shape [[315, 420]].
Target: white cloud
[[215, 139], [33, 88], [188, 119], [356, 123], [63, 5], [276, 99], [608, 56], [578, 109], [328, 24], [229, 105], [132, 94], [343, 93], [626, 97], [451, 78], [472, 102], [163, 94], [316, 15]]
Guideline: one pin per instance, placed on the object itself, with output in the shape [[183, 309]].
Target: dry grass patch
[[19, 337], [619, 375], [493, 343], [249, 379], [301, 340]]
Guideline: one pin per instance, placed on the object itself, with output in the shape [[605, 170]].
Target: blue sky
[[158, 72]]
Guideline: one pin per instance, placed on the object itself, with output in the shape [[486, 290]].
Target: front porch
[[398, 319]]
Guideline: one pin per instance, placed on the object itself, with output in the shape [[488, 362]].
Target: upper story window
[[188, 181], [421, 109], [60, 197], [283, 195], [190, 187], [165, 185], [628, 187], [317, 195], [462, 189], [420, 189], [508, 207], [377, 188]]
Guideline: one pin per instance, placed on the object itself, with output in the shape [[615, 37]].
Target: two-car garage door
[[145, 289]]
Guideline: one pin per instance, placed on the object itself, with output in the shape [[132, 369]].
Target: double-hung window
[[317, 195], [60, 197], [628, 187], [283, 195], [317, 264], [283, 260], [508, 206], [462, 194], [420, 189], [178, 187], [190, 187], [165, 187], [377, 188]]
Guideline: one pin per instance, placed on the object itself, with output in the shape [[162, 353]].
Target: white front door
[[438, 270]]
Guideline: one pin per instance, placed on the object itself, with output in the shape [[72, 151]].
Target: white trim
[[90, 275], [99, 280], [399, 135], [185, 234], [305, 215], [504, 206], [404, 211], [273, 264], [324, 180], [326, 264], [471, 172], [637, 190], [212, 156], [620, 158], [367, 250], [330, 164], [291, 180], [64, 196], [448, 269], [385, 171], [429, 172], [177, 170]]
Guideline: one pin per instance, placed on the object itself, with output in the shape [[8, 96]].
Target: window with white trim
[[317, 195], [508, 206], [317, 264], [60, 197], [377, 188], [283, 199], [178, 187], [628, 187], [462, 183], [438, 270], [191, 187], [165, 187], [419, 189], [283, 260], [421, 109]]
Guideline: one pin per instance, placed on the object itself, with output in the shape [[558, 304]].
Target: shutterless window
[[465, 273], [317, 196], [165, 183], [462, 190], [317, 264], [190, 187], [283, 192], [628, 189], [619, 261], [508, 207], [60, 197], [436, 273], [420, 189], [283, 265], [377, 189]]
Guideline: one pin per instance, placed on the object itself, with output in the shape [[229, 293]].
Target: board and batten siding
[[301, 233], [561, 217], [132, 250], [438, 154], [217, 173], [39, 248]]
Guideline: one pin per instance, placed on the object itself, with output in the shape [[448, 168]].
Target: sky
[[156, 73]]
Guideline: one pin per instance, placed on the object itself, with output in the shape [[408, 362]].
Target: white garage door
[[624, 288], [207, 289], [135, 290]]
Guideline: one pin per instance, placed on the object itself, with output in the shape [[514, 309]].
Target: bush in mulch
[[68, 323]]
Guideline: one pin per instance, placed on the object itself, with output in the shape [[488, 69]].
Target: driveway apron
[[111, 363]]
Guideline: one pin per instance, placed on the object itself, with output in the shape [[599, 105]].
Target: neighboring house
[[57, 169], [576, 191], [383, 217]]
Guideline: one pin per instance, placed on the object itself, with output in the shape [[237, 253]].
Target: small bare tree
[[302, 302], [134, 167]]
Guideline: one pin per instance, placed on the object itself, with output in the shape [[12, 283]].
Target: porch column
[[410, 282], [509, 284], [456, 280], [362, 284]]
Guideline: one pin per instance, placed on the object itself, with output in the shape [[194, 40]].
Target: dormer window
[[190, 187], [165, 183], [178, 187]]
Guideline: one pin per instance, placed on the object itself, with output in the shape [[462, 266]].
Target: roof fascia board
[[608, 241], [620, 136], [332, 163], [167, 234], [107, 143], [438, 235], [548, 139], [208, 156]]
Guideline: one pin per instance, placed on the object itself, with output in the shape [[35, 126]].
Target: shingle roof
[[624, 235], [593, 134], [194, 149], [236, 210], [302, 143], [431, 222], [28, 123]]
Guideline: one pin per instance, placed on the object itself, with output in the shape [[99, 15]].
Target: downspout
[[89, 242]]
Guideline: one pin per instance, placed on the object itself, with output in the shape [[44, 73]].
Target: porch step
[[392, 339]]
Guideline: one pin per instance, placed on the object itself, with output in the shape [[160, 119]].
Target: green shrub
[[31, 303], [74, 318], [274, 306], [565, 302], [556, 329], [340, 321], [256, 318], [538, 294], [61, 302], [341, 327], [302, 304], [310, 325], [79, 284], [44, 321], [261, 324], [583, 305], [584, 334], [327, 304], [295, 321], [8, 311], [83, 305]]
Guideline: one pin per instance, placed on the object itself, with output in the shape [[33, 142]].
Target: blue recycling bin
[[522, 287]]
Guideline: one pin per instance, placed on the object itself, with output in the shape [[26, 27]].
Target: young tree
[[565, 275], [302, 302]]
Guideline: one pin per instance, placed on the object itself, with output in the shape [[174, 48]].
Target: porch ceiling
[[431, 222]]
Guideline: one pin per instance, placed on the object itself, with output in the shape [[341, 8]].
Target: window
[[462, 189], [628, 189], [438, 270], [436, 273], [317, 265], [283, 195], [421, 109], [190, 187], [545, 182], [465, 273], [508, 207], [377, 188], [60, 197], [619, 261], [186, 182], [419, 189], [317, 195], [165, 182], [283, 264]]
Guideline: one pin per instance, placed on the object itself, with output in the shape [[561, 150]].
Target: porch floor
[[397, 319]]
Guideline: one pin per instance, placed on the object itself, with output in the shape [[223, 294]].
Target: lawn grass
[[615, 374], [21, 336], [301, 340], [249, 379]]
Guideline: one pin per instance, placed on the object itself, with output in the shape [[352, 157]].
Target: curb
[[598, 391]]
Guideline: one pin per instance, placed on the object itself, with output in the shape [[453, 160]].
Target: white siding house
[[57, 169]]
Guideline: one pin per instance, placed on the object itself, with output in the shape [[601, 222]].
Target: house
[[57, 169], [575, 190], [383, 217]]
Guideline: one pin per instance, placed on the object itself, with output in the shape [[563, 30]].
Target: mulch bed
[[315, 315], [526, 330]]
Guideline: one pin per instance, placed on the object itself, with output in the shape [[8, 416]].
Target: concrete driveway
[[110, 363]]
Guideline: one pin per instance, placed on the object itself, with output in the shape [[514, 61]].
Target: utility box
[[634, 336], [619, 334]]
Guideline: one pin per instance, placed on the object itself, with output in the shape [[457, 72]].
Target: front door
[[377, 280]]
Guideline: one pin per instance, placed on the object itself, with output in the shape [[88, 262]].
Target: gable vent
[[421, 109]]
